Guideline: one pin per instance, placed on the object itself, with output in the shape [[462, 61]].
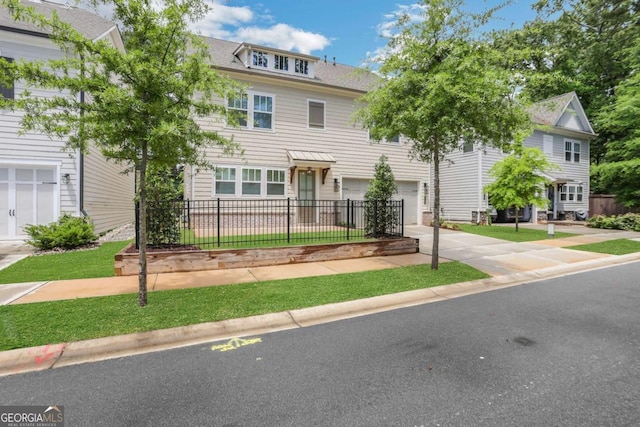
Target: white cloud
[[243, 24], [414, 12]]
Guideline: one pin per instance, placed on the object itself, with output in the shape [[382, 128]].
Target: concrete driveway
[[499, 257]]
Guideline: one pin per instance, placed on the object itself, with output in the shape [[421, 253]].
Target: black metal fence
[[222, 223]]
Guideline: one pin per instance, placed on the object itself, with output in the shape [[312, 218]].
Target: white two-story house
[[562, 132], [38, 180], [297, 132]]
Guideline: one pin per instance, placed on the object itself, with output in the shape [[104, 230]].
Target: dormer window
[[281, 63], [302, 66], [260, 59]]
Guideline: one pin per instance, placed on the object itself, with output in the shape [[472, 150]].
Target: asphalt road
[[563, 352]]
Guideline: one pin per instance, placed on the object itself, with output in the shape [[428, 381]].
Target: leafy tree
[[519, 180], [620, 172], [380, 218], [443, 85], [146, 100], [581, 46]]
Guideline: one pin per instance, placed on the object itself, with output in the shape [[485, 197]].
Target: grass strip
[[611, 247], [83, 264], [26, 325], [509, 232]]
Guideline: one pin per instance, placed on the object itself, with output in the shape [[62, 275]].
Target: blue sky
[[349, 30]]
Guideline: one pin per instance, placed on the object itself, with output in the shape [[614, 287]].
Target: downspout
[[81, 166]]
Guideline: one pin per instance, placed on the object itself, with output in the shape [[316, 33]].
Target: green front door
[[306, 196]]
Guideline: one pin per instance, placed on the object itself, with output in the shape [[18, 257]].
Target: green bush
[[628, 221], [380, 217], [68, 232], [163, 211]]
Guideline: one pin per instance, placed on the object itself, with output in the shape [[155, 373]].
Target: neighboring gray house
[[562, 132], [297, 133], [39, 181]]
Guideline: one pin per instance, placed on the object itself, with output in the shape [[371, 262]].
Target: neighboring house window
[[239, 106], [263, 111], [255, 181], [7, 90], [275, 182], [281, 63], [467, 147], [547, 144], [251, 179], [572, 151], [570, 193], [302, 66], [316, 114], [260, 59], [225, 181]]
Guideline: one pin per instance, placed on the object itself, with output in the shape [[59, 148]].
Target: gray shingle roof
[[87, 23], [549, 111], [326, 73]]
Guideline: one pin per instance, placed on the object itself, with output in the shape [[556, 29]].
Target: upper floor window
[[252, 110], [239, 106], [6, 88], [394, 140], [302, 66], [572, 151], [260, 59], [281, 63], [316, 114], [467, 147]]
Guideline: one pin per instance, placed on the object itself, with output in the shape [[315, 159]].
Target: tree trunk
[[436, 206], [142, 240], [517, 214]]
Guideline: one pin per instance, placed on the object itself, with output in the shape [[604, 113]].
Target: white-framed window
[[225, 181], [316, 114], [250, 181], [571, 193], [7, 90], [394, 140], [302, 66], [238, 106], [260, 59], [276, 181], [281, 62], [467, 147], [253, 110], [572, 151], [547, 144]]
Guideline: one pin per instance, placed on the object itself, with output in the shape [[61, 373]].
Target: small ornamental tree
[[146, 100], [519, 180], [380, 217]]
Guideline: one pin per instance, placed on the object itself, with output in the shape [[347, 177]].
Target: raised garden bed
[[172, 261]]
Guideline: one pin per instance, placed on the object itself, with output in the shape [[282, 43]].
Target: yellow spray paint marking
[[235, 343]]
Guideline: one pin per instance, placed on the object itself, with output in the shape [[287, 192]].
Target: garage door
[[354, 189]]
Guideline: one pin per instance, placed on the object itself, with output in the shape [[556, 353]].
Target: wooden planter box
[[126, 264]]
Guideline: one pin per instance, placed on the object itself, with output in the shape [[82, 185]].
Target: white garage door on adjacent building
[[354, 189]]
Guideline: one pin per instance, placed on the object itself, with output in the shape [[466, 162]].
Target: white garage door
[[354, 189]]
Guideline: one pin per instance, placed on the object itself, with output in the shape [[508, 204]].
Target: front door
[[552, 201], [28, 197], [306, 196]]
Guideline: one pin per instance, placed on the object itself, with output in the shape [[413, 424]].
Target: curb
[[67, 354]]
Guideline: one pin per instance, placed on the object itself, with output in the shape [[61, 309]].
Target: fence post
[[188, 214], [348, 218], [218, 219], [288, 220], [402, 218]]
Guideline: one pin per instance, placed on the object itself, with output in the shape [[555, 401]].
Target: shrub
[[68, 232], [163, 213], [380, 217], [628, 221]]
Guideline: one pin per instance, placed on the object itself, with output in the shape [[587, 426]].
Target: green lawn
[[508, 232], [26, 325], [67, 265], [612, 247]]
